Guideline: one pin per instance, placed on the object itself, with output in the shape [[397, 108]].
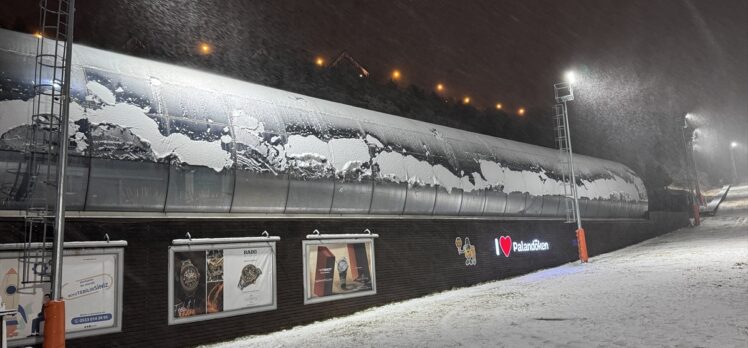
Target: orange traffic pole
[[696, 215], [54, 324], [582, 242]]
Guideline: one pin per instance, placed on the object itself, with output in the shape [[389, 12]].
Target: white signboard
[[335, 269], [91, 289], [215, 281]]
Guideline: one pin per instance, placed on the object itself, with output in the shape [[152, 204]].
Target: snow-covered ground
[[688, 288], [736, 201]]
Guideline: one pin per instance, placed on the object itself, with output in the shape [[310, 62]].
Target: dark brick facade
[[413, 258]]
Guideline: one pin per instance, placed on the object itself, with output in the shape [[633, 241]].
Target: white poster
[[248, 278], [338, 268], [220, 280], [90, 289]]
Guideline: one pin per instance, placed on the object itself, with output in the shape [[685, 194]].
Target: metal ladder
[[38, 187], [562, 142]]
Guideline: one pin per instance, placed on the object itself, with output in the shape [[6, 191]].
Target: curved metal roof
[[151, 136]]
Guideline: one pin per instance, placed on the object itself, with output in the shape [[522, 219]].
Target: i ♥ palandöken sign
[[505, 246]]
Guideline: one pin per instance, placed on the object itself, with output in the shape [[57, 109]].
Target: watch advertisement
[[215, 281], [338, 269], [91, 289]]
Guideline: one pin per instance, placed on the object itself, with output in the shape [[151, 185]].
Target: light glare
[[570, 77], [205, 48], [396, 74]]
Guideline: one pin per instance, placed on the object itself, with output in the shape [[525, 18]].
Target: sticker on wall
[[505, 245], [468, 250]]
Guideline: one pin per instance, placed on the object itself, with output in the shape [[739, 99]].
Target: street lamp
[[205, 48], [694, 191], [564, 92], [320, 62], [570, 77], [733, 146], [396, 75]]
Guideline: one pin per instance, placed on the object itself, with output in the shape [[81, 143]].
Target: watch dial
[[190, 277], [343, 265]]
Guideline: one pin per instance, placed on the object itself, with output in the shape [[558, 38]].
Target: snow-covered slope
[[688, 288]]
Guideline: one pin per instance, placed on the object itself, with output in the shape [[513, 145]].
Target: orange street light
[[205, 48], [38, 35], [521, 112], [498, 106], [320, 62], [396, 74], [439, 87], [466, 100]]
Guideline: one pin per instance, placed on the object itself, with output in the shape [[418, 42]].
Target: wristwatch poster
[[189, 296], [338, 268], [210, 281]]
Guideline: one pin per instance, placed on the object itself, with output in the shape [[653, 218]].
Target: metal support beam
[[62, 160]]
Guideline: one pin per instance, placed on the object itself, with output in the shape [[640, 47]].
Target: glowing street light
[[498, 106], [570, 77], [440, 87], [521, 111], [38, 35], [466, 100], [319, 61], [733, 146], [205, 48], [396, 75]]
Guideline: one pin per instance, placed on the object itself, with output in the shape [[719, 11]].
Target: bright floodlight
[[570, 77], [733, 144]]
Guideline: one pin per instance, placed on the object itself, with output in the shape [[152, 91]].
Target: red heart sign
[[506, 245]]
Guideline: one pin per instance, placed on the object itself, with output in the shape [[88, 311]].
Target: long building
[[159, 150]]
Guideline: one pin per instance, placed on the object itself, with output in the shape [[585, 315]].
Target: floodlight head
[[733, 144], [570, 77]]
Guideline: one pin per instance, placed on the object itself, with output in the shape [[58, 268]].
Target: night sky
[[633, 57]]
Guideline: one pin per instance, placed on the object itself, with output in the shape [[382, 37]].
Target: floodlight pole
[[54, 311], [564, 92], [734, 167], [571, 167], [693, 190], [62, 163]]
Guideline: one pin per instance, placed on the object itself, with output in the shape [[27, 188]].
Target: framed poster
[[221, 280], [91, 287], [338, 268]]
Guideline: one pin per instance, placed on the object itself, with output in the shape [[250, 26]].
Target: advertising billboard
[[337, 269], [91, 289], [216, 281]]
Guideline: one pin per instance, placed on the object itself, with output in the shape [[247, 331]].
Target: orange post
[[696, 215], [582, 242], [54, 324]]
